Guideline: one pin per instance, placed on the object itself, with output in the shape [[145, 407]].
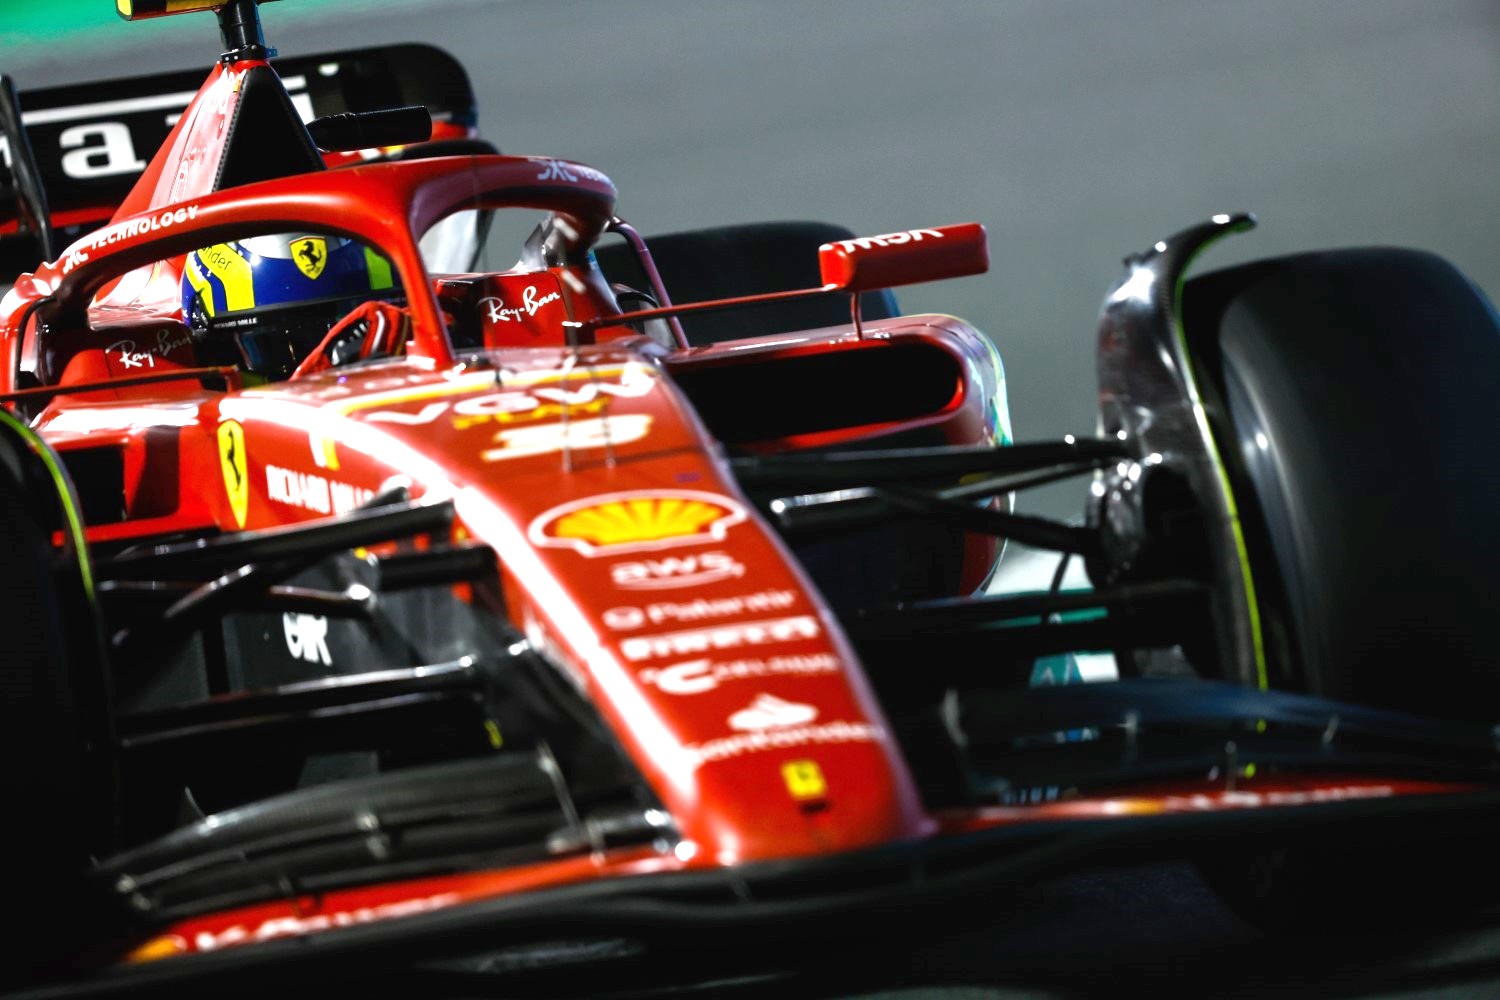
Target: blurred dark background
[[1074, 131]]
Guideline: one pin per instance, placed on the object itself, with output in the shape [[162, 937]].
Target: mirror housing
[[137, 10], [867, 263]]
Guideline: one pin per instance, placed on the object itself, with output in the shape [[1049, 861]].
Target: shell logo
[[636, 521]]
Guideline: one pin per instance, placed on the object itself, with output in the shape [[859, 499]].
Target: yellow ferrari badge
[[232, 461], [310, 254]]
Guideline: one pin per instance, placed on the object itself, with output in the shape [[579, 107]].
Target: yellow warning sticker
[[804, 779]]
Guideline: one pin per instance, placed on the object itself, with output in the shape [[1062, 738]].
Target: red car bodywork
[[626, 550], [313, 913], [488, 438]]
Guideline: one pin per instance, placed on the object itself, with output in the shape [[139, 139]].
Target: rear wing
[[92, 140]]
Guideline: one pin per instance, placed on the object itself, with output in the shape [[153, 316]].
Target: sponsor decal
[[100, 139], [671, 572], [91, 151], [101, 149], [425, 415], [566, 435], [498, 312], [557, 170], [698, 676], [792, 737], [232, 464], [544, 411], [310, 254], [1256, 800], [664, 612], [707, 640], [307, 491], [554, 170], [167, 341], [888, 239], [298, 489], [770, 712], [804, 779], [130, 357], [129, 230], [591, 397], [519, 405], [307, 637], [342, 400], [624, 618], [219, 259], [641, 520], [290, 926]]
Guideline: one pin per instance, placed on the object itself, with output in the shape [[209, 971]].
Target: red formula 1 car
[[372, 613]]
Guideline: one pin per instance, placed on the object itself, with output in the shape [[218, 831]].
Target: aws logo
[[672, 572]]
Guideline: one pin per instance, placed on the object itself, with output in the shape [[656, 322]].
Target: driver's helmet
[[266, 302]]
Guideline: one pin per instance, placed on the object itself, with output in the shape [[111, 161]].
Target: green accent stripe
[[1253, 605], [64, 493], [380, 270]]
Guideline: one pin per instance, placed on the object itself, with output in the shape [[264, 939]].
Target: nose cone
[[799, 788]]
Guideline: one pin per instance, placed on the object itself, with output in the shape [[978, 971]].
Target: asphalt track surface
[[1075, 132]]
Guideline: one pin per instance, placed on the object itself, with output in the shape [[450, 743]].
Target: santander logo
[[770, 712]]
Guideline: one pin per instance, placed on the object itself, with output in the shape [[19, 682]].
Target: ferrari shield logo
[[232, 461], [310, 254]]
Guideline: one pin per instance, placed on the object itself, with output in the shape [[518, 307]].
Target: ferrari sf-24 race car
[[370, 609]]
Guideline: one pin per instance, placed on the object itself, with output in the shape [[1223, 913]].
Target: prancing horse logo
[[310, 254], [233, 465]]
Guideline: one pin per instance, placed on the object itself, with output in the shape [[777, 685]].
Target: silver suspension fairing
[[1149, 399]]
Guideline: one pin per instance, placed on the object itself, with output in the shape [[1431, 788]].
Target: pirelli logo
[[710, 640]]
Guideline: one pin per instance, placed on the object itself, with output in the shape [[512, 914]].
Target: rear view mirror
[[866, 263]]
